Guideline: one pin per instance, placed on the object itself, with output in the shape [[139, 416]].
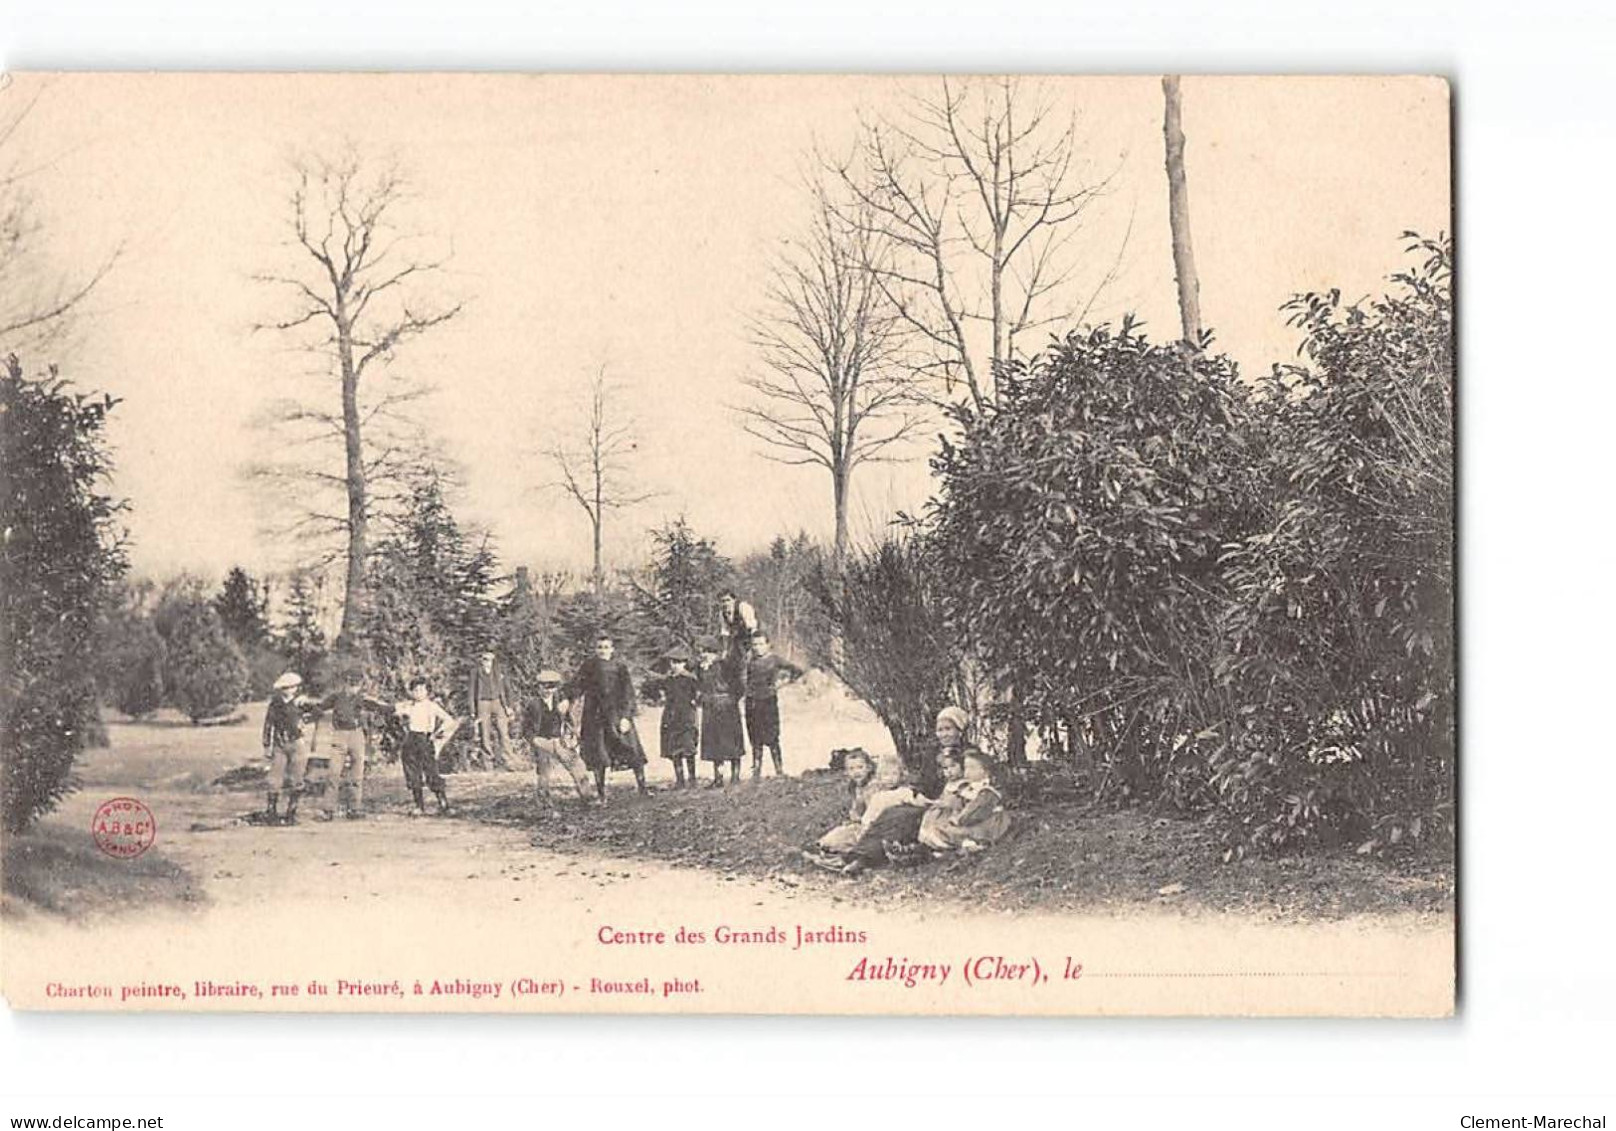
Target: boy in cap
[[285, 748], [427, 727], [544, 727]]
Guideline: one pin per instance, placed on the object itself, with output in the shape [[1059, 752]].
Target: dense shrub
[[1083, 515], [1239, 595], [133, 662], [1338, 636], [900, 656], [206, 673], [58, 556]]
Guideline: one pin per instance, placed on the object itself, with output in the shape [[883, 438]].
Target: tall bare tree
[[594, 470], [972, 200], [354, 307], [832, 391], [1178, 214]]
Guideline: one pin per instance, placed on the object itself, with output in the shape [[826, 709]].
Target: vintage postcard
[[728, 544]]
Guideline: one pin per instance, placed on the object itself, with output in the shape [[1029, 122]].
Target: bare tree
[[594, 471], [35, 300], [833, 392], [353, 307], [1178, 215], [971, 200]]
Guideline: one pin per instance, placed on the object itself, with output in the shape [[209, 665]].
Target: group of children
[[703, 709], [714, 705], [339, 726], [890, 821], [702, 716]]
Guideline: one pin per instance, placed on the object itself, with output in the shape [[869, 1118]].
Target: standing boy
[[285, 747], [347, 739], [763, 673], [491, 704], [544, 726], [427, 726], [606, 735]]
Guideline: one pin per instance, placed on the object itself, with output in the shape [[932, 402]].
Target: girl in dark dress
[[721, 737], [680, 730]]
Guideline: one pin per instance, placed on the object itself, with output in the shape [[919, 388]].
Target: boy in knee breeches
[[345, 740], [285, 747], [544, 727], [427, 727]]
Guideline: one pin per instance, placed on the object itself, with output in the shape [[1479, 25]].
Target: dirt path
[[472, 905]]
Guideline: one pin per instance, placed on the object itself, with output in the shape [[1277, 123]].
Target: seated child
[[881, 812], [981, 818]]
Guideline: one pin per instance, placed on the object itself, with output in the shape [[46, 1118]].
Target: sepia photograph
[[956, 544]]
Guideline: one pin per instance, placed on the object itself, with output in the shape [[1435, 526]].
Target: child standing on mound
[[680, 730], [719, 691], [427, 726]]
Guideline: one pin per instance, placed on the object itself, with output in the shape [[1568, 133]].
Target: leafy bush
[[58, 557], [1083, 515], [1339, 630], [1239, 596], [133, 661], [207, 675], [900, 656]]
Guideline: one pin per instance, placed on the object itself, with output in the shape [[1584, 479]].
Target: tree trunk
[[599, 576], [353, 600], [1017, 738], [838, 564], [1178, 213]]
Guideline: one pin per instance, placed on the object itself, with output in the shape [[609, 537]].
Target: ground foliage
[[1062, 855], [59, 556]]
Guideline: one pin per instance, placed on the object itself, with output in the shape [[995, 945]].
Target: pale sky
[[627, 221]]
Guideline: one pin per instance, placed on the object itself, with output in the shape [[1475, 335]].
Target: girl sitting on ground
[[947, 807], [881, 811], [980, 821]]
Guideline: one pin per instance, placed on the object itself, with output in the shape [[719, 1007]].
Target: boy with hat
[[545, 723], [285, 748]]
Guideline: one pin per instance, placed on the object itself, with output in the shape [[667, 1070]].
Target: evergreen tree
[[207, 674], [431, 583], [59, 556], [302, 641], [687, 575], [133, 662], [242, 605]]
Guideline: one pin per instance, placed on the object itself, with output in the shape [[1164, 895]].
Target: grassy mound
[[1063, 854]]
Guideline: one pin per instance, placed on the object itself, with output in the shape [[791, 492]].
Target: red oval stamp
[[124, 828]]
